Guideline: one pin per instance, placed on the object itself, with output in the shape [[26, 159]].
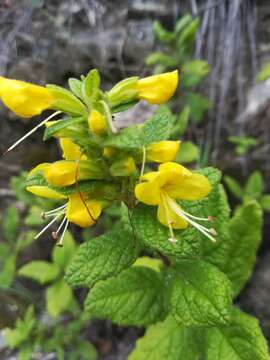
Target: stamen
[[186, 216], [47, 226], [143, 162], [60, 242], [209, 218], [61, 225], [32, 131], [59, 210], [172, 238]]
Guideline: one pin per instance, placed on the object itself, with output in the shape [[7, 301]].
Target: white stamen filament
[[47, 226], [32, 131], [186, 216], [60, 242], [61, 225], [53, 212]]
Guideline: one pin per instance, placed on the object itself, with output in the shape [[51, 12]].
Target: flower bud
[[158, 89], [24, 99], [162, 151], [97, 123], [123, 167], [108, 152]]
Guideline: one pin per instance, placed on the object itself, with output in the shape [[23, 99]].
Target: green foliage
[[134, 297], [236, 257], [59, 296], [200, 294], [242, 340], [252, 190], [175, 50], [243, 144], [166, 340], [188, 153], [103, 257]]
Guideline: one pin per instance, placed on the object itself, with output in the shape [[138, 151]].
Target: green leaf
[[158, 127], [162, 34], [123, 107], [7, 273], [188, 152], [154, 236], [161, 58], [166, 340], [66, 101], [41, 271], [265, 202], [102, 257], [91, 84], [198, 105], [85, 350], [181, 123], [254, 186], [194, 71], [151, 263], [75, 86], [25, 239], [236, 257], [134, 297], [187, 36], [234, 187], [59, 298], [264, 74], [242, 340], [62, 255], [182, 23], [66, 128], [10, 223], [201, 295], [130, 138], [15, 337], [33, 217]]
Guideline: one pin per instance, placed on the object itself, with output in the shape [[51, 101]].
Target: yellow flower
[[65, 172], [24, 99], [97, 123], [173, 182], [83, 212], [70, 150], [162, 151], [159, 88]]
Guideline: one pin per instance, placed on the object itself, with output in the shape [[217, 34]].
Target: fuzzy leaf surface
[[242, 340], [200, 294], [166, 340], [102, 257], [134, 297]]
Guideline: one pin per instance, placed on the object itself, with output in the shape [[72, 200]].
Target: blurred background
[[222, 50]]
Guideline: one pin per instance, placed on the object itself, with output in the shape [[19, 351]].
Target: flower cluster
[[94, 172]]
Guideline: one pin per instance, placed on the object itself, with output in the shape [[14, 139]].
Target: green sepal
[[69, 127], [65, 101]]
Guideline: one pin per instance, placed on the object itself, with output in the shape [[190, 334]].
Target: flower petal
[[45, 191], [193, 187], [70, 150], [159, 88], [165, 214], [148, 192], [24, 99], [162, 151], [83, 214]]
